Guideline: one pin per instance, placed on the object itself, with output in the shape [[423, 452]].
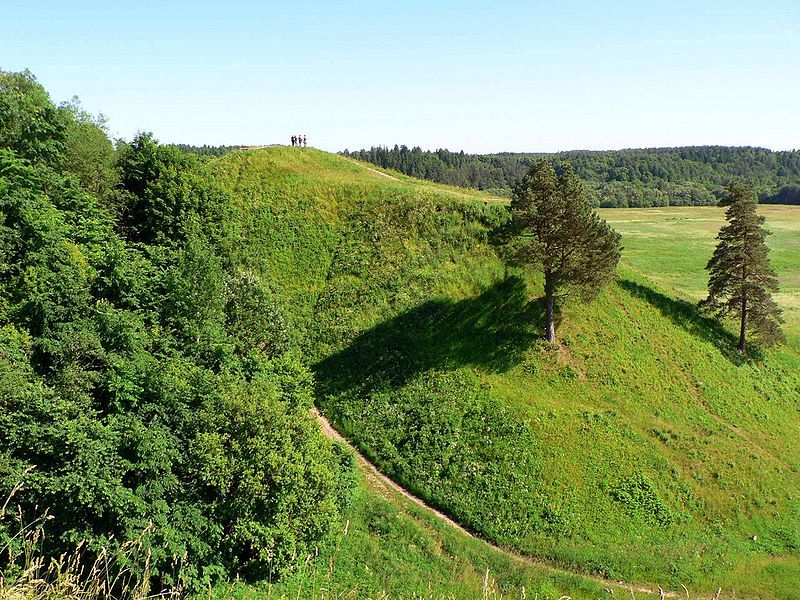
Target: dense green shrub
[[30, 124], [148, 381], [168, 191], [639, 496]]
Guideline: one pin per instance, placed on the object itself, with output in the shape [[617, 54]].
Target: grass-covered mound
[[641, 448]]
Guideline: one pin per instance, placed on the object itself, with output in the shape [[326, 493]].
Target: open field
[[672, 245]]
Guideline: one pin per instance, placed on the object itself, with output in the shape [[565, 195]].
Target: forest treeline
[[206, 150], [691, 176]]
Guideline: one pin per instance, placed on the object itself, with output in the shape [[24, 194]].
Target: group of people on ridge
[[299, 140]]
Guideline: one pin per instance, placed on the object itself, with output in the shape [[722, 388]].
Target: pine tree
[[554, 228], [740, 278]]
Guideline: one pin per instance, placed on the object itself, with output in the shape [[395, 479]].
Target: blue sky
[[480, 76]]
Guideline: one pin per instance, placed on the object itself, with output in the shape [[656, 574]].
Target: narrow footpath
[[378, 479], [443, 190]]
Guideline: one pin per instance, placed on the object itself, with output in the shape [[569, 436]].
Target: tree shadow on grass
[[690, 317], [490, 331]]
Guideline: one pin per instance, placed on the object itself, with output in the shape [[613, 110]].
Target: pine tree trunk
[[550, 325], [743, 330]]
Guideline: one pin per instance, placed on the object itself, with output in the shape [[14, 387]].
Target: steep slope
[[640, 449], [392, 548]]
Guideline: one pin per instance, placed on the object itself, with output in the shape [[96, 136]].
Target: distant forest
[[691, 176], [206, 150]]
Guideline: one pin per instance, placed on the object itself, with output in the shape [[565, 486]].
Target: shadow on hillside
[[688, 315], [490, 331]]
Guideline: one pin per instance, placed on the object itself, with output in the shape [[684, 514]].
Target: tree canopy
[[148, 381], [692, 176]]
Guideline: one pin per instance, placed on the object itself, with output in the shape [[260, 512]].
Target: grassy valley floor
[[672, 245]]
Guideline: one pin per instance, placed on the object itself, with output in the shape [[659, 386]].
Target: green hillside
[[169, 319], [160, 314], [391, 548], [641, 449]]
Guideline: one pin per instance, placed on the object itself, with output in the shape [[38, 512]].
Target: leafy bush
[[639, 496], [148, 378]]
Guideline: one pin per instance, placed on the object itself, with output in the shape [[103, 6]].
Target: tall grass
[[123, 572]]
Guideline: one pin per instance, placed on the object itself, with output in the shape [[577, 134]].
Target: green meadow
[[641, 449], [672, 246]]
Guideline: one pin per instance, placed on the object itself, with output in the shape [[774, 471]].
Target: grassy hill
[[394, 549], [641, 449]]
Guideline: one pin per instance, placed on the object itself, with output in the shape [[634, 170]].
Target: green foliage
[[88, 153], [30, 124], [741, 280], [553, 228], [153, 365], [393, 549], [267, 477], [168, 192], [206, 150], [426, 357], [147, 377], [253, 317], [446, 438], [640, 496], [788, 194]]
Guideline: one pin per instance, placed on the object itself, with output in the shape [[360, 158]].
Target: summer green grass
[[673, 245], [483, 195], [394, 549], [643, 448]]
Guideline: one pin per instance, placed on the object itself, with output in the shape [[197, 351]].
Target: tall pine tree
[[740, 278], [554, 228]]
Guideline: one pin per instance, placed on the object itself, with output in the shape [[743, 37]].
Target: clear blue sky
[[480, 76]]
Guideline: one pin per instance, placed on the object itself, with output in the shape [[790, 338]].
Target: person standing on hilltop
[[305, 141], [294, 140]]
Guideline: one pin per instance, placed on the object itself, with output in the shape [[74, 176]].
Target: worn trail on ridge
[[378, 479], [446, 191]]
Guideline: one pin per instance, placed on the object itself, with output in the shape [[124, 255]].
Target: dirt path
[[444, 191], [374, 475], [376, 171], [378, 479]]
